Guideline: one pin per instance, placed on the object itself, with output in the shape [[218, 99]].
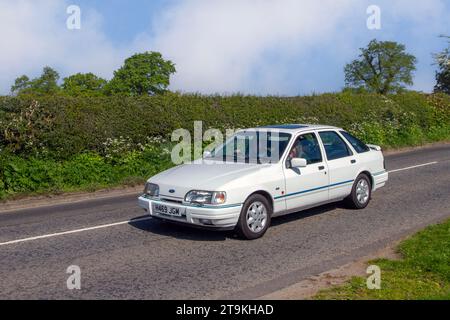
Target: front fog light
[[206, 222]]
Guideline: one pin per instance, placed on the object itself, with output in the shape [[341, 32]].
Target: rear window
[[335, 147], [357, 144]]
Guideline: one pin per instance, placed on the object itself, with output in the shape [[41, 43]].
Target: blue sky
[[285, 47], [124, 19]]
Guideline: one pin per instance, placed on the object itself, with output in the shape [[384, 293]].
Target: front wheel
[[361, 192], [255, 217]]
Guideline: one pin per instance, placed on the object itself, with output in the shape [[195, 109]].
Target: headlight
[[151, 190], [206, 197]]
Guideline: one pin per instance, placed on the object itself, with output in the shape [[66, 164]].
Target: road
[[122, 256]]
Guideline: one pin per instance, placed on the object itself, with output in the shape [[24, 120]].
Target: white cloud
[[257, 45], [219, 45], [34, 34]]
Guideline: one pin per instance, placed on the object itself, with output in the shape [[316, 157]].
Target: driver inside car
[[301, 149]]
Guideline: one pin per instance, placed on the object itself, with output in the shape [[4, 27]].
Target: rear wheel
[[255, 217], [361, 192]]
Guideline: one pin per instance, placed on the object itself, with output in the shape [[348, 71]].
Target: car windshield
[[253, 147]]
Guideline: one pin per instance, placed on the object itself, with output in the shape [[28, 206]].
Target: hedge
[[65, 126], [49, 143]]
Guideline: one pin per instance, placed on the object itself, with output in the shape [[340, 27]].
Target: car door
[[341, 164], [306, 186], [361, 152]]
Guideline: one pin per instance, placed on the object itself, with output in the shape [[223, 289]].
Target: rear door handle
[[353, 161]]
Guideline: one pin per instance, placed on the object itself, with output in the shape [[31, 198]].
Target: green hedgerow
[[59, 143]]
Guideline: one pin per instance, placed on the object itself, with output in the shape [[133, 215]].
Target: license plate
[[167, 210]]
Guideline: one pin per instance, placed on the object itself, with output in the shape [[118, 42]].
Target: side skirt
[[289, 211]]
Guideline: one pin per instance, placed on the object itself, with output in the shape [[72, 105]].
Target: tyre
[[361, 192], [255, 217]]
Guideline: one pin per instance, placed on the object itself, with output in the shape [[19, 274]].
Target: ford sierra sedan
[[265, 172]]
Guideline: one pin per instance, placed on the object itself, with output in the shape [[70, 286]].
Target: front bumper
[[380, 179], [217, 217]]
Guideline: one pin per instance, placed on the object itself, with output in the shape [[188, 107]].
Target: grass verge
[[422, 274]]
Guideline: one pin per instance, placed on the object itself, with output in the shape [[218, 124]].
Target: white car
[[266, 172]]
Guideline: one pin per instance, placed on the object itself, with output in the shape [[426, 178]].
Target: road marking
[[73, 231], [51, 235], [413, 167]]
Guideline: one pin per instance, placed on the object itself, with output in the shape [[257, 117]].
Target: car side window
[[335, 147], [307, 147], [357, 144]]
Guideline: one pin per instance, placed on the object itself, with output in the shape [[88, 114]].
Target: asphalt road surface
[[124, 255]]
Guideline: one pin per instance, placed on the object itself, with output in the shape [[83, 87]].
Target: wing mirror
[[298, 163]]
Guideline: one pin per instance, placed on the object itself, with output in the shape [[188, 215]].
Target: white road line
[[413, 167], [73, 231], [51, 235]]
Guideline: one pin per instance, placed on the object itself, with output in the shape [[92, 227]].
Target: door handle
[[353, 161], [321, 168]]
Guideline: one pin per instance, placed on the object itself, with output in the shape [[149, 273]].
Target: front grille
[[171, 200]]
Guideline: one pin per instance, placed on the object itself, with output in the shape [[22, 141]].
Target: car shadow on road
[[174, 230], [178, 231]]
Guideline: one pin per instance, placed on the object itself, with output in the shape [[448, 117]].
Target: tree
[[83, 83], [20, 84], [383, 67], [143, 73], [443, 74], [47, 83]]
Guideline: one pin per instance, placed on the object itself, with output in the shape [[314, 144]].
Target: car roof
[[293, 128]]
